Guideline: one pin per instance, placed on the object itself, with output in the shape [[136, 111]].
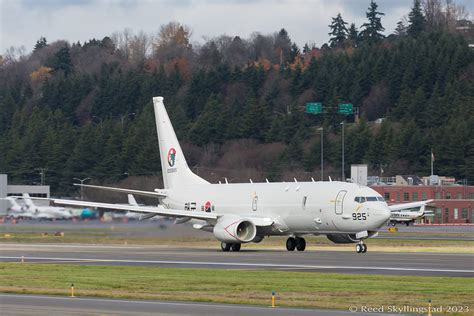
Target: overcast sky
[[22, 22]]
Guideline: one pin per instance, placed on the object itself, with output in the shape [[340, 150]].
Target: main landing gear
[[225, 246], [361, 247], [297, 242]]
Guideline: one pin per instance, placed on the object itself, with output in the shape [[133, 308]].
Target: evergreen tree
[[62, 61], [306, 48], [372, 29], [338, 31], [401, 29], [282, 47], [353, 35], [40, 44], [294, 52], [416, 19]]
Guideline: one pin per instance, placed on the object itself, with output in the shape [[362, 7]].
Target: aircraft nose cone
[[386, 214], [382, 215]]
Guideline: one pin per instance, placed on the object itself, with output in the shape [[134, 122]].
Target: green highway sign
[[345, 108], [314, 107]]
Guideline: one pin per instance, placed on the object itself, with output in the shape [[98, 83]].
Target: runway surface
[[16, 305], [419, 264], [166, 229]]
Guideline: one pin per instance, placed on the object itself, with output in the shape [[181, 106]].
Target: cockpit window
[[359, 199], [362, 199]]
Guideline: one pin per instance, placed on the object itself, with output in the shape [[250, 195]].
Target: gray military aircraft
[[238, 213]]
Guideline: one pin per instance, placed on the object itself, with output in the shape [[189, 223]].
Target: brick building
[[452, 203]]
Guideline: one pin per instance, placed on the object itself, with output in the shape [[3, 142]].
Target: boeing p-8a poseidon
[[247, 212]]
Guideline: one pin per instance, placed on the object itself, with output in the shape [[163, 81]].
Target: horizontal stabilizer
[[139, 192]]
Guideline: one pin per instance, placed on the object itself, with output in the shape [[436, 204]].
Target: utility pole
[[42, 174], [82, 188], [322, 153], [342, 169]]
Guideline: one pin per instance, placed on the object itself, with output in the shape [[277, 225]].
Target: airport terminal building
[[17, 190]]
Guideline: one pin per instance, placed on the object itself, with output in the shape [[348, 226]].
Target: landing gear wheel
[[225, 246], [364, 248], [290, 244], [300, 244], [235, 247], [359, 248]]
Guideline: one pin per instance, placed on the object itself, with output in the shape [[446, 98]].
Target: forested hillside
[[238, 105]]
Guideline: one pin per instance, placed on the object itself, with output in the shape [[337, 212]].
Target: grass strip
[[302, 289], [313, 243]]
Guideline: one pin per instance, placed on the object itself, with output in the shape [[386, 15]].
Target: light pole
[[82, 188], [322, 153], [342, 169], [43, 174]]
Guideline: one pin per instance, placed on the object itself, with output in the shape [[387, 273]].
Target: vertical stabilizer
[[13, 202], [28, 201], [131, 200], [173, 164]]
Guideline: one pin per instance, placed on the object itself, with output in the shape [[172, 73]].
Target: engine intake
[[235, 230]]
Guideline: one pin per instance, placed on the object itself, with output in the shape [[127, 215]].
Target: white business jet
[[45, 212]]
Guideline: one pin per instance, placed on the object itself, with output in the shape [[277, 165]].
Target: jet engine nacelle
[[346, 238], [234, 229]]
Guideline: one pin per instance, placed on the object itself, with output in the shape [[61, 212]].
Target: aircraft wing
[[160, 194], [401, 219], [156, 210], [407, 206]]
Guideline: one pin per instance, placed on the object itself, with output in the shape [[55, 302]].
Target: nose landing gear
[[299, 243], [361, 247]]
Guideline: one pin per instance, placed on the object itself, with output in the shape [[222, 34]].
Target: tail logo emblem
[[171, 157]]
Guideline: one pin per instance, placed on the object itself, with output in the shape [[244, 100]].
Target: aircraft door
[[254, 203], [339, 202]]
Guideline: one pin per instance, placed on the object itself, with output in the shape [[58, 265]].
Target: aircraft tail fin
[[13, 202], [28, 201], [173, 164], [131, 200]]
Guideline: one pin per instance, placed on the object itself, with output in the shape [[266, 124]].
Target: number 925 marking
[[359, 216]]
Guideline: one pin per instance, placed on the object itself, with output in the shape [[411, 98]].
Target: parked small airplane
[[404, 213], [247, 212], [45, 212], [128, 215], [18, 211]]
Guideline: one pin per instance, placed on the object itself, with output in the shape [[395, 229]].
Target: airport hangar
[[17, 190]]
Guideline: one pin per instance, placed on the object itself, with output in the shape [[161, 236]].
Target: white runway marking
[[240, 264], [100, 246]]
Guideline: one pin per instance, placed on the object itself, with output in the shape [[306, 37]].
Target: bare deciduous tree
[[133, 47], [443, 15], [173, 41]]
